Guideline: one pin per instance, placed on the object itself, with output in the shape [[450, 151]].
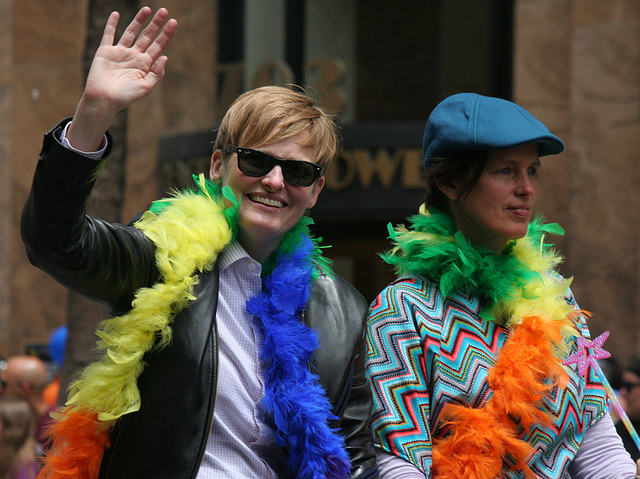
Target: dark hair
[[612, 371], [465, 166], [634, 367]]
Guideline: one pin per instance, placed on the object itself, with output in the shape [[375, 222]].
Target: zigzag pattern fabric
[[425, 351]]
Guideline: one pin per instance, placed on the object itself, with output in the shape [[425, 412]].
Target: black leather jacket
[[108, 262]]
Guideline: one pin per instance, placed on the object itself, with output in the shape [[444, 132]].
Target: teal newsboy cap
[[468, 122]]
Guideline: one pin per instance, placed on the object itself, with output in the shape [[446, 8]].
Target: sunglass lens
[[254, 163], [299, 173]]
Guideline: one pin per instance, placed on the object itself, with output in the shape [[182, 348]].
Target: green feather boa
[[431, 247]]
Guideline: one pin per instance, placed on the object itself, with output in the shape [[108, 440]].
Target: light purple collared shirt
[[241, 444]]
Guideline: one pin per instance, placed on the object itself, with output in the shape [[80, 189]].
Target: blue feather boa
[[294, 396]]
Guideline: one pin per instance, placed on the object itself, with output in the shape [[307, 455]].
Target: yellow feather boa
[[188, 239]]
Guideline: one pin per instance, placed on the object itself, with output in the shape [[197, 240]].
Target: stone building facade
[[575, 65]]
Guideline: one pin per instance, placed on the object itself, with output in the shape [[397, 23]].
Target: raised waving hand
[[121, 73]]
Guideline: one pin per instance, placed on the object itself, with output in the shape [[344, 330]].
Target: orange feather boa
[[480, 439], [84, 439]]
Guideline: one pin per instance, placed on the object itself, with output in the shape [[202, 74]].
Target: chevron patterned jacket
[[426, 351]]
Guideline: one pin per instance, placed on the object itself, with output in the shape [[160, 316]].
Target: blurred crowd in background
[[30, 392]]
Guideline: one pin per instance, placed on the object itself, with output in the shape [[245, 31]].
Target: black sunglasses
[[258, 163], [629, 386]]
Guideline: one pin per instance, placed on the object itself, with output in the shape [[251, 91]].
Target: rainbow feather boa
[[189, 231], [521, 292]]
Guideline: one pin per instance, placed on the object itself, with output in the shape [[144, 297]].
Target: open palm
[[121, 74], [125, 72]]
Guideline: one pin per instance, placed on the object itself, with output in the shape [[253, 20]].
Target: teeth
[[267, 201]]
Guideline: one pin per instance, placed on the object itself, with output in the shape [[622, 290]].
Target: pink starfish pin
[[588, 353]]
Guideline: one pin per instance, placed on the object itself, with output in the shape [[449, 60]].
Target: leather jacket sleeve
[[355, 422], [102, 261]]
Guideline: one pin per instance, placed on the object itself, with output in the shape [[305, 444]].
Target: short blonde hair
[[255, 114]]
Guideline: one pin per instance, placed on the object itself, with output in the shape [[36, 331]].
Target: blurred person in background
[[17, 441], [25, 377], [630, 394]]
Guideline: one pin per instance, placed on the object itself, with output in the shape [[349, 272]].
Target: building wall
[[45, 81], [6, 73], [41, 80], [576, 67]]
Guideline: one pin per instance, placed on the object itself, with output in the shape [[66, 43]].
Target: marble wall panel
[[6, 48], [597, 12], [541, 84], [605, 126], [46, 82]]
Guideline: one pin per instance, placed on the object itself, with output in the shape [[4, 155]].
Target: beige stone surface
[[597, 12], [606, 135], [577, 68], [46, 82], [6, 48], [52, 31]]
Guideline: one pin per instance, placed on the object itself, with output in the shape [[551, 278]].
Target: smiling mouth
[[266, 201]]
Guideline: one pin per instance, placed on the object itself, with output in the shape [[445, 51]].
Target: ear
[[317, 188], [450, 189], [215, 172]]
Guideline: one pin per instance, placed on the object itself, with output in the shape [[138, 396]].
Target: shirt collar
[[233, 253]]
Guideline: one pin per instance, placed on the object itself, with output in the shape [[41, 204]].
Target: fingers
[[155, 37], [155, 27], [110, 29], [158, 67], [131, 32], [160, 40]]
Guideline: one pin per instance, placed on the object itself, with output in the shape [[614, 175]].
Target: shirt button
[[254, 268]]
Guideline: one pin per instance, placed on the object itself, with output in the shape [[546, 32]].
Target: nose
[[526, 185], [274, 180]]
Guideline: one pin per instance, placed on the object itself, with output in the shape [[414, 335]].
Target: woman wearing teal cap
[[479, 358]]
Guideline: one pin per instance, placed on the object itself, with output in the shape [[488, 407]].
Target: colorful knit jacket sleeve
[[396, 369]]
